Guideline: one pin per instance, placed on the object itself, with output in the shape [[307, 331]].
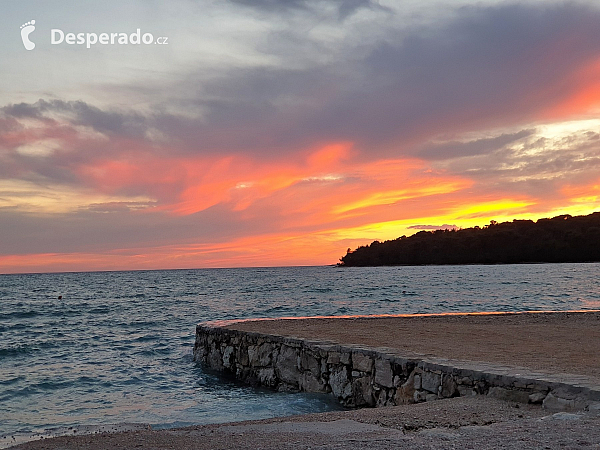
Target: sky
[[282, 132]]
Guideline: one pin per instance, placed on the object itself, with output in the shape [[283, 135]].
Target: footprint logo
[[26, 30]]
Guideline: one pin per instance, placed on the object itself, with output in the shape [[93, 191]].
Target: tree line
[[559, 239]]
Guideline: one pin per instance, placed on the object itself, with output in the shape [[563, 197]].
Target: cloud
[[549, 154], [390, 90], [79, 113], [455, 149], [341, 128]]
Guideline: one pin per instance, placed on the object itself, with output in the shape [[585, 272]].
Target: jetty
[[546, 358]]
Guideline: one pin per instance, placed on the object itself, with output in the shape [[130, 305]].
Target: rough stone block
[[241, 356], [309, 383], [466, 391], [362, 392], [420, 396], [511, 395], [594, 408], [569, 393], [309, 362], [214, 359], [466, 381], [228, 357], [537, 397], [417, 382], [553, 403], [381, 398], [253, 355], [480, 387], [264, 354], [324, 368], [520, 384], [333, 358], [405, 393], [266, 377], [345, 357], [430, 381], [383, 373], [449, 388], [361, 362], [284, 387], [287, 368], [339, 382]]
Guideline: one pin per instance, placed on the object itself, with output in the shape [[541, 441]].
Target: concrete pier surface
[[552, 342], [516, 381]]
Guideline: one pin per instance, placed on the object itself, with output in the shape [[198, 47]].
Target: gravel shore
[[461, 423]]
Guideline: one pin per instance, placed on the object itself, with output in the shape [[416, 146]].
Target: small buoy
[[60, 297]]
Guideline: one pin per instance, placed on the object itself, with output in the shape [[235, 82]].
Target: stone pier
[[360, 376]]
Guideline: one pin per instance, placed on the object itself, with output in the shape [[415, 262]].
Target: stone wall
[[376, 377]]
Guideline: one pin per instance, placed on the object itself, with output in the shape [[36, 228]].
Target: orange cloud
[[311, 205], [188, 185], [321, 246], [583, 93]]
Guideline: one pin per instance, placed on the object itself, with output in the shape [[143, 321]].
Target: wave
[[11, 352], [11, 380], [24, 349], [99, 310], [19, 315], [47, 385]]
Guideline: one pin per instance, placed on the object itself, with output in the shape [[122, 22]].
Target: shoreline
[[478, 421], [475, 422]]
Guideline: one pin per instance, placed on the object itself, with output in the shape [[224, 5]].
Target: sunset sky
[[272, 132]]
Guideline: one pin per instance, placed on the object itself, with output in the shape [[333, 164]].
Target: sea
[[85, 350]]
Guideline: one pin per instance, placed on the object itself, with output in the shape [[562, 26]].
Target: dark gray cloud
[[99, 228], [22, 110], [486, 67], [82, 113], [489, 66], [484, 146]]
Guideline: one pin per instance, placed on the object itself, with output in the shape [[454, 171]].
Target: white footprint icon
[[26, 30]]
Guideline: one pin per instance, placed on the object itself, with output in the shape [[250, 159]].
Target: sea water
[[117, 347]]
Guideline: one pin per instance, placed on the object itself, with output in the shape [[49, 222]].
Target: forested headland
[[559, 239]]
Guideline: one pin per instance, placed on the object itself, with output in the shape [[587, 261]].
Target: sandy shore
[[554, 343]]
